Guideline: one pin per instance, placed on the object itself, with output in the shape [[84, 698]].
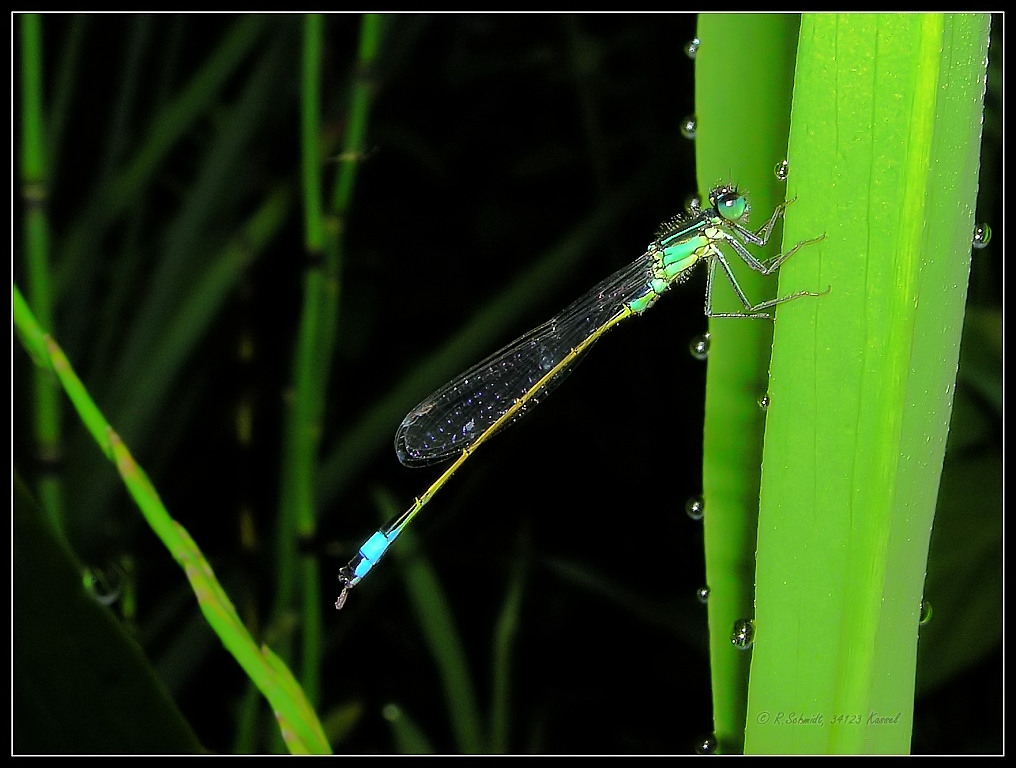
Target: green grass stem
[[298, 723]]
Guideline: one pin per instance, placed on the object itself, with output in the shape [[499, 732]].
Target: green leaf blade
[[881, 153]]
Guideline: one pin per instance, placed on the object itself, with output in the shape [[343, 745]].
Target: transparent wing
[[457, 414]]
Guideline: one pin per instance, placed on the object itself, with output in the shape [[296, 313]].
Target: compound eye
[[731, 205]]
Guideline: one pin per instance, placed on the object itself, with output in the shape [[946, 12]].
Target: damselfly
[[464, 413]]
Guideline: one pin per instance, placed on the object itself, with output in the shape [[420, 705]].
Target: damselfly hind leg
[[766, 267]]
